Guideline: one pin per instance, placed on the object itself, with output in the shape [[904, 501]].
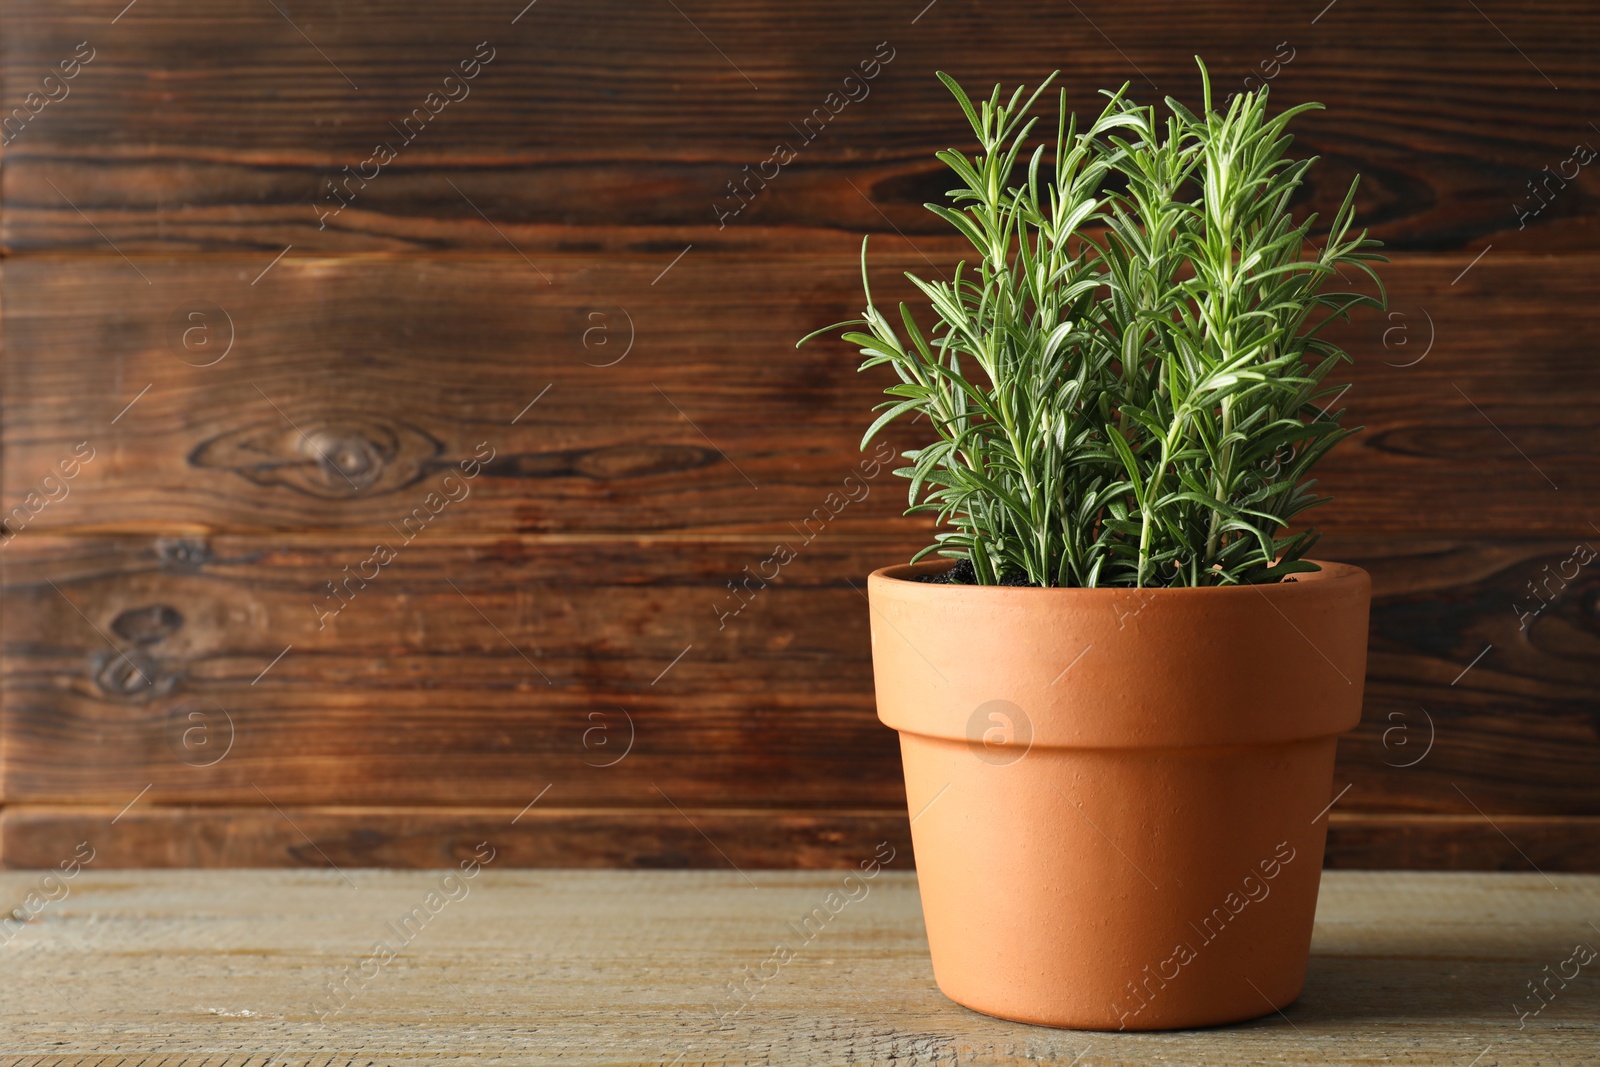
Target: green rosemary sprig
[[1126, 386]]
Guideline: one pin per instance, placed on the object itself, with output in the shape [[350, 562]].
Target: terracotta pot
[[1119, 796]]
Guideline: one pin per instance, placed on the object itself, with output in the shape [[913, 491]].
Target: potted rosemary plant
[[1119, 682]]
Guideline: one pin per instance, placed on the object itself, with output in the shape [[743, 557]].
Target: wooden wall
[[540, 324]]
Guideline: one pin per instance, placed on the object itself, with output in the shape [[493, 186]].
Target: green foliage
[[1145, 314]]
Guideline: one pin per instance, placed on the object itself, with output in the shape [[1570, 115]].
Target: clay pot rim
[[1331, 575]]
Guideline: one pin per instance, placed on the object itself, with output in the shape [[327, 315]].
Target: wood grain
[[1463, 842], [549, 272], [409, 695], [219, 128], [553, 834], [1467, 711], [355, 385], [478, 671], [604, 968]]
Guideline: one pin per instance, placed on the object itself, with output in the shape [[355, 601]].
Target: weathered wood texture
[[354, 385], [657, 835], [541, 274], [220, 126], [1464, 842], [140, 661], [231, 969], [605, 670], [409, 695]]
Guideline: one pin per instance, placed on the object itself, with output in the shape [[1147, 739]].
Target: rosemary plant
[[1145, 313]]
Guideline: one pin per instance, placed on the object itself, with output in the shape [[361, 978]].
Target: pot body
[[1118, 797]]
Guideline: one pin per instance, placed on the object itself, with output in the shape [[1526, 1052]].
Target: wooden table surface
[[233, 968]]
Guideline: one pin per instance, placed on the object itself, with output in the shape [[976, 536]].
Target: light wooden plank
[[586, 968]]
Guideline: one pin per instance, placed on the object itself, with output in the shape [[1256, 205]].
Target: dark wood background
[[167, 691]]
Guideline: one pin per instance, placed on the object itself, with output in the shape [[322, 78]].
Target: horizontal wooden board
[[596, 969], [545, 835], [1477, 699], [410, 696], [355, 386], [556, 272], [1464, 842], [708, 838], [485, 671], [221, 127]]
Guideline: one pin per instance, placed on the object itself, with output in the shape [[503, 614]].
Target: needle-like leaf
[[1143, 321]]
